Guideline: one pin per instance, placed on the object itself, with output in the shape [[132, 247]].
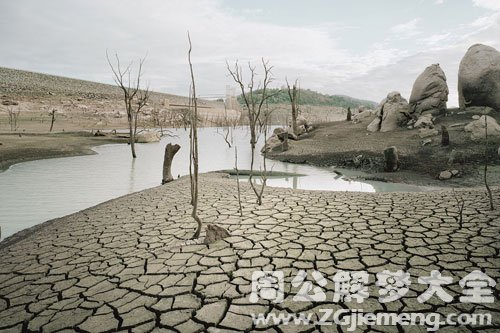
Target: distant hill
[[24, 83], [309, 97]]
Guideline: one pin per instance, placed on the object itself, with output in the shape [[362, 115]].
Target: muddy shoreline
[[23, 147], [337, 144]]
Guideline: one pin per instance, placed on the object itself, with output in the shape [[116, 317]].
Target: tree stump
[[445, 136], [349, 114], [284, 144], [170, 151], [215, 233], [391, 159]]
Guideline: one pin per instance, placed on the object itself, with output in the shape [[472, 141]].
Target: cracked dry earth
[[124, 265]]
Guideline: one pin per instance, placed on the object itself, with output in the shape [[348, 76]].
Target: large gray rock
[[479, 77], [391, 113], [477, 128], [430, 92]]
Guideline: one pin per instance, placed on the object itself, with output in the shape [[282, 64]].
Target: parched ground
[[124, 265]]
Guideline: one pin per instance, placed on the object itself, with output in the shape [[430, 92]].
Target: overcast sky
[[359, 48]]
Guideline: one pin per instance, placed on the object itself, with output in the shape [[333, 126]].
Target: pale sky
[[360, 48]]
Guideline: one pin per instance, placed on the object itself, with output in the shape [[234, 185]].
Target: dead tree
[[193, 149], [52, 119], [254, 98], [135, 98], [170, 151], [13, 118], [293, 95], [227, 128], [488, 190], [238, 179], [460, 207]]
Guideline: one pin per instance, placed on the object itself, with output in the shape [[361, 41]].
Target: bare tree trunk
[[132, 95], [253, 105], [488, 190], [238, 179], [293, 95], [132, 139], [52, 120], [170, 151], [194, 150], [460, 206], [250, 179]]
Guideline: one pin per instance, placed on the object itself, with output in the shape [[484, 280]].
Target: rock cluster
[[392, 112], [281, 134], [448, 174], [430, 92]]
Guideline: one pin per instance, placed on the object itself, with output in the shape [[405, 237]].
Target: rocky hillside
[[15, 82], [309, 97]]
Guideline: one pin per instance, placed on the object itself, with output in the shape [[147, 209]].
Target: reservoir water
[[36, 191]]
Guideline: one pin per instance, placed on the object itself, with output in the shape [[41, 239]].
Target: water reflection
[[36, 191]]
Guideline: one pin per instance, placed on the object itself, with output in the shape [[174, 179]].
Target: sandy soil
[[337, 143]]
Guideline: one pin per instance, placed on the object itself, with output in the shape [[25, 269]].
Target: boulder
[[479, 77], [448, 174], [430, 92], [147, 137], [477, 128], [391, 113], [272, 144], [445, 175], [424, 121]]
